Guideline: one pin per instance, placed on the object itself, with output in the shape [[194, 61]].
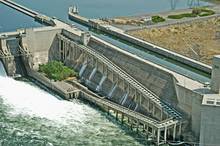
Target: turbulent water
[[29, 116]]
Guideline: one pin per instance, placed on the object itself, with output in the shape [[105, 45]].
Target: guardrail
[[170, 111]]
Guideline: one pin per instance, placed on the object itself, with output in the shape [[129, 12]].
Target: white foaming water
[[29, 100]]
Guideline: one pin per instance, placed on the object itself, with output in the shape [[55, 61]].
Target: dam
[[161, 103]]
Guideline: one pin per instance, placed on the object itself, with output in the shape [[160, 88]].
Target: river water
[[88, 8], [31, 116], [104, 8]]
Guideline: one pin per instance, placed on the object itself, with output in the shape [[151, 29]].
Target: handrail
[[171, 112]]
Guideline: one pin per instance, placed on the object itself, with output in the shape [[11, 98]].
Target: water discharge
[[2, 70], [30, 100], [30, 116]]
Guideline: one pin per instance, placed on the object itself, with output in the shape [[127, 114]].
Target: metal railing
[[170, 111]]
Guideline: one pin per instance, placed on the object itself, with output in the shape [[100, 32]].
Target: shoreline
[[111, 30], [142, 21], [197, 40]]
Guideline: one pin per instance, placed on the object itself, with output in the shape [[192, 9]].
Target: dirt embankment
[[198, 40]]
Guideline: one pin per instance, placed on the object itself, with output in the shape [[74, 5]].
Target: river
[[88, 8], [31, 116]]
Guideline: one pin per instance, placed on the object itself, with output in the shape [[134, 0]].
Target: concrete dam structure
[[97, 72], [168, 105]]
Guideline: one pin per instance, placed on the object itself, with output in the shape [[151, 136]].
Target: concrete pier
[[20, 8], [37, 16], [149, 126]]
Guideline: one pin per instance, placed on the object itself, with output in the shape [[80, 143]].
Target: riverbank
[[138, 22], [119, 33], [198, 40], [196, 37]]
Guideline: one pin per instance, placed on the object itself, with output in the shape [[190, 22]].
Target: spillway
[[30, 115]]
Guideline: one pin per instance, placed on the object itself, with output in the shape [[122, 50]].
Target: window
[[216, 67], [218, 102], [210, 102]]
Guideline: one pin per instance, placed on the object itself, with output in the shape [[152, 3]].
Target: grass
[[57, 71], [201, 12], [157, 19], [180, 16]]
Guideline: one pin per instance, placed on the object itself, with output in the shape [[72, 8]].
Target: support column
[[174, 132], [131, 124], [154, 132], [123, 84], [180, 129], [138, 124], [122, 118], [135, 95], [153, 110], [75, 52], [116, 115], [158, 136], [148, 105], [161, 114], [165, 135], [147, 129], [92, 73], [108, 110], [140, 100]]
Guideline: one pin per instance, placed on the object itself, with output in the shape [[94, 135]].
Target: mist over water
[[30, 100]]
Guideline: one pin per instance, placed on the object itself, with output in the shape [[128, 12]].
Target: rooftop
[[211, 100]]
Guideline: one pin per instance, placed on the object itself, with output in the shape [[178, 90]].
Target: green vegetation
[[57, 71], [202, 11], [157, 19], [180, 16]]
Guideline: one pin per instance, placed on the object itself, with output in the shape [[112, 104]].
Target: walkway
[[170, 111]]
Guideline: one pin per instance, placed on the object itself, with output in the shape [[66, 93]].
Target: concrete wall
[[39, 41], [190, 102], [210, 119], [122, 35], [215, 82], [157, 49], [155, 79], [45, 81], [159, 81]]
